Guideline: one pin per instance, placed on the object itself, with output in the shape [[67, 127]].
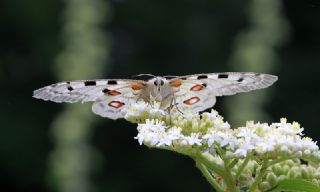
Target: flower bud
[[264, 185], [272, 179]]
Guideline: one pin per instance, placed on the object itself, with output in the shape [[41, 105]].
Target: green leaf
[[295, 185]]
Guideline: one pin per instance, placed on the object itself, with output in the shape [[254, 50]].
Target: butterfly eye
[[161, 82], [155, 83]]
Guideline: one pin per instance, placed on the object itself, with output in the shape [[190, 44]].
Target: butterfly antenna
[[170, 76], [144, 74]]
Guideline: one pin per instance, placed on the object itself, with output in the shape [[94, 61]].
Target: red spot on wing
[[113, 93], [137, 86], [197, 88], [192, 100], [176, 83], [116, 104]]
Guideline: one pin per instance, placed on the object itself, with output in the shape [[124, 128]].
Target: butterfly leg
[[175, 104], [139, 98]]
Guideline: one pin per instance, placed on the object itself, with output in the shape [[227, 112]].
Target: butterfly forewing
[[220, 84], [198, 92], [85, 90]]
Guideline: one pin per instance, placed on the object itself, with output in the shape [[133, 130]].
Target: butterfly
[[195, 92]]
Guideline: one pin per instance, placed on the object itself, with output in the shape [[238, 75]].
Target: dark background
[[159, 37]]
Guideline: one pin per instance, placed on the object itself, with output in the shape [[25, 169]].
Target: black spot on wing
[[90, 83], [202, 77], [240, 79], [112, 82], [223, 76], [204, 84], [183, 78], [70, 88], [105, 90]]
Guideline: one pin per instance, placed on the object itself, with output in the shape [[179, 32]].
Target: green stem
[[224, 172], [209, 177], [211, 165], [233, 163], [242, 166], [259, 177], [229, 178], [277, 161]]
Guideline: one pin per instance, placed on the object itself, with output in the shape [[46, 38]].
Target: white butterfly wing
[[83, 90], [222, 84], [110, 96], [193, 95], [111, 105], [198, 92]]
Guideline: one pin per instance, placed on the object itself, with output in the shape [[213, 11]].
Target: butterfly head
[[158, 81], [157, 87]]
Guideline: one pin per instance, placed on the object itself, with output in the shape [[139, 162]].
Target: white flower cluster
[[156, 133], [283, 137], [140, 111], [157, 128]]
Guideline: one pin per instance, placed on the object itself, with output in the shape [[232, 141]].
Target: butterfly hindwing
[[110, 105], [194, 95]]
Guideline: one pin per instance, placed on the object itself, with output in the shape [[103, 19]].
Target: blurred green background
[[46, 146]]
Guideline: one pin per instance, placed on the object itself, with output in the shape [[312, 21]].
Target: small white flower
[[213, 115], [169, 136], [157, 112], [140, 137], [188, 115], [284, 148], [193, 139], [211, 139], [243, 150], [248, 134], [307, 143], [225, 125], [175, 132], [221, 138], [266, 146], [229, 141], [288, 128], [152, 131], [164, 140]]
